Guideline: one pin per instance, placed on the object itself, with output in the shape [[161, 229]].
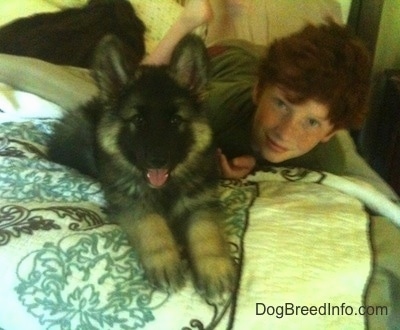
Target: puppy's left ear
[[189, 64]]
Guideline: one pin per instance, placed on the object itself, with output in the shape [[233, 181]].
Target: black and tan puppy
[[148, 141]]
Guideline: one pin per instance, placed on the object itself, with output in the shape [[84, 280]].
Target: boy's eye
[[280, 104], [313, 122]]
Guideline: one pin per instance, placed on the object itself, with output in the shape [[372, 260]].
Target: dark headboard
[[364, 18]]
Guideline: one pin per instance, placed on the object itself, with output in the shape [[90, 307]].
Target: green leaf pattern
[[79, 272]]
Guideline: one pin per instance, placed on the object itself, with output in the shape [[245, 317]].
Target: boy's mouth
[[274, 146]]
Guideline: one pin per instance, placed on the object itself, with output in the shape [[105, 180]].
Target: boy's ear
[[329, 135]]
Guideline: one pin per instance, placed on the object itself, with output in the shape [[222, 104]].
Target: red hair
[[325, 63]]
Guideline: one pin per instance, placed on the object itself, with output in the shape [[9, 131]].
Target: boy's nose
[[287, 129]]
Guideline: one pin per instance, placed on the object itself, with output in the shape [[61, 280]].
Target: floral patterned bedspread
[[63, 266]]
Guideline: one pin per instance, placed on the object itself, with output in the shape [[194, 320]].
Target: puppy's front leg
[[156, 248], [209, 254]]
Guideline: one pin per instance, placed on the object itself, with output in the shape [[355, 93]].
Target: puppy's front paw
[[215, 274], [164, 269]]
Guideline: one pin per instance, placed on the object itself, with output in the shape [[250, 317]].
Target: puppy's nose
[[157, 162]]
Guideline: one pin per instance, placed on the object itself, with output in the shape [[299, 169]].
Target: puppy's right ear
[[189, 64], [112, 66]]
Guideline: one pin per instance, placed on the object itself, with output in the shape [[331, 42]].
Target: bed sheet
[[297, 241]]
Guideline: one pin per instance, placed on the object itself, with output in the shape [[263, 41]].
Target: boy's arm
[[66, 86]]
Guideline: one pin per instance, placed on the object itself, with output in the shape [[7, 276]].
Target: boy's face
[[283, 130]]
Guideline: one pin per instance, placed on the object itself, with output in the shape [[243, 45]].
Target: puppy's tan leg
[[214, 268], [157, 250]]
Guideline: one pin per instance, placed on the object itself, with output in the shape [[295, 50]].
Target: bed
[[315, 251]]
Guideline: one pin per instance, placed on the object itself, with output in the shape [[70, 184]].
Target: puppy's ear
[[189, 64], [112, 66]]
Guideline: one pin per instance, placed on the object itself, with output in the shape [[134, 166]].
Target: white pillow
[[17, 105]]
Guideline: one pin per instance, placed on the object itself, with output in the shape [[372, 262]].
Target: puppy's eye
[[176, 120], [137, 120]]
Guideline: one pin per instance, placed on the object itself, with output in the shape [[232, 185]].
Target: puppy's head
[[152, 119]]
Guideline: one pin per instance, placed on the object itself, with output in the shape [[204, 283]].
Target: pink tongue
[[157, 177]]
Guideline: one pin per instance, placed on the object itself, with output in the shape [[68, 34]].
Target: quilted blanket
[[300, 245], [301, 239]]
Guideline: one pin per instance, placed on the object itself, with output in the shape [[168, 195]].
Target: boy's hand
[[236, 168]]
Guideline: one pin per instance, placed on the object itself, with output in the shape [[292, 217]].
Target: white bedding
[[301, 238], [63, 264]]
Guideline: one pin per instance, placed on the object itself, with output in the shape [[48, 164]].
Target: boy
[[280, 106]]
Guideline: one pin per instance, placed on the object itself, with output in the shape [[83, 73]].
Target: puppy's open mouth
[[157, 177]]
